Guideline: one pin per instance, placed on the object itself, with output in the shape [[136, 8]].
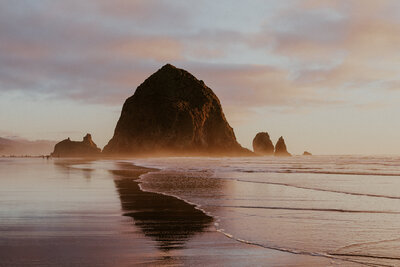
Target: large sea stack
[[262, 144], [280, 148], [68, 148], [172, 112]]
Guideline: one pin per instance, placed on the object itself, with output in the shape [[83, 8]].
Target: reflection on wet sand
[[65, 166], [165, 219]]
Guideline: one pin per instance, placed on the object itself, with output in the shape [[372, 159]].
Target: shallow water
[[337, 207], [93, 213], [53, 215]]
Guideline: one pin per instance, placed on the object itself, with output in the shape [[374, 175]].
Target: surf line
[[297, 170], [297, 252], [318, 189], [310, 209], [365, 256]]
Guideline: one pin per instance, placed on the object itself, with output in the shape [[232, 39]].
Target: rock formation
[[172, 112], [262, 144], [280, 148], [306, 153], [68, 148]]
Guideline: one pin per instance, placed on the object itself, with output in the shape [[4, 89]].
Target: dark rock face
[[280, 148], [306, 153], [68, 148], [173, 112], [262, 144]]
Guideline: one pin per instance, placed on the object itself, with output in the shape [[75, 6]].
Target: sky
[[323, 74]]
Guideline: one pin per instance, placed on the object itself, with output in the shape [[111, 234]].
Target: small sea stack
[[306, 153], [262, 144], [84, 148], [280, 148]]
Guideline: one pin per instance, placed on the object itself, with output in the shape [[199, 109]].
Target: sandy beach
[[199, 211], [94, 213]]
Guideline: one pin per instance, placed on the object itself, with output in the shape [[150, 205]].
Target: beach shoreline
[[276, 255], [97, 213]]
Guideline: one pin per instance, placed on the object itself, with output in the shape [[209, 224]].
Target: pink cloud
[[243, 89], [99, 59], [359, 41], [157, 48]]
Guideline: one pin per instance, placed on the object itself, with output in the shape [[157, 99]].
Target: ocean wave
[[373, 166], [320, 189], [321, 171], [337, 257], [231, 236], [309, 209], [223, 169]]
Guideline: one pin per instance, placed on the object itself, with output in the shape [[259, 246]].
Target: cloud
[[357, 39], [255, 85], [306, 55], [71, 50]]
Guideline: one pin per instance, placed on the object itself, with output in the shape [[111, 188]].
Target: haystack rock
[[280, 148], [306, 153], [172, 112], [262, 144], [68, 148]]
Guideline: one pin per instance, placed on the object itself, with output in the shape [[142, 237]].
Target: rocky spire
[[280, 148], [262, 144]]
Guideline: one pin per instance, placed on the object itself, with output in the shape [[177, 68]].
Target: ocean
[[340, 207]]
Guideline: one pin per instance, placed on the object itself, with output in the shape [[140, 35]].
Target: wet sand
[[187, 234], [53, 215], [69, 213], [309, 206]]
